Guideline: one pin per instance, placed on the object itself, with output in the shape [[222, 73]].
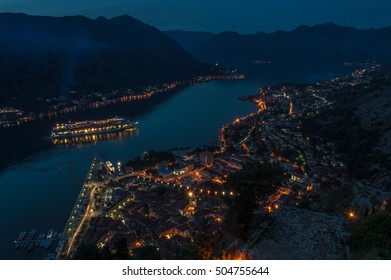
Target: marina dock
[[31, 241]]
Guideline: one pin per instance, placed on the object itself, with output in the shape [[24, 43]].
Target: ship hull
[[90, 131], [70, 135]]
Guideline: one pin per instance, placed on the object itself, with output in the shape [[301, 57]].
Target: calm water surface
[[39, 192]]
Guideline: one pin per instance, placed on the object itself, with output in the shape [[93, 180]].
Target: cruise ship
[[68, 130]]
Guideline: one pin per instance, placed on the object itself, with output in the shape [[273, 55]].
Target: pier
[[81, 212]]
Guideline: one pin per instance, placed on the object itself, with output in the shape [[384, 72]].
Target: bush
[[373, 235]]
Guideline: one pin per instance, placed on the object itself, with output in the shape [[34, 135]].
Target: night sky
[[244, 16]]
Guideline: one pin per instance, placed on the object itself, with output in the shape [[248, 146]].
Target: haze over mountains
[[323, 46], [190, 40], [42, 56], [48, 56]]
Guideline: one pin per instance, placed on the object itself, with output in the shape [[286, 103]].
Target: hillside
[[190, 40], [48, 56], [320, 47], [360, 127]]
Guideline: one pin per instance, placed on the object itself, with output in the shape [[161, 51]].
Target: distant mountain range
[[190, 40], [48, 56], [324, 46], [45, 56]]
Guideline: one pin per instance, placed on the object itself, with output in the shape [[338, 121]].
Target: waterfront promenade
[[81, 211]]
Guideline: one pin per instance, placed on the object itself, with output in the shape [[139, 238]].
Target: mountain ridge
[[323, 45], [51, 55]]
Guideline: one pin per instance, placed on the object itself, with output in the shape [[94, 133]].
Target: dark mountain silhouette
[[45, 56], [190, 40], [324, 46]]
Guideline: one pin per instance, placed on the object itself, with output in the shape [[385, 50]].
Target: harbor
[[47, 203], [44, 242]]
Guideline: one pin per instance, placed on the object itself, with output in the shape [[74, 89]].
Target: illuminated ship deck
[[83, 128]]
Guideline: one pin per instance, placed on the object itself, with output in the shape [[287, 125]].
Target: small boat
[[41, 236], [30, 247], [22, 235], [50, 234], [17, 244], [48, 244], [54, 235], [31, 235]]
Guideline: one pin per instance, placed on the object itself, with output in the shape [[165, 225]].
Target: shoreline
[[40, 143], [76, 106]]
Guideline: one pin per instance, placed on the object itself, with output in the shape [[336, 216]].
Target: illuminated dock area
[[81, 212]]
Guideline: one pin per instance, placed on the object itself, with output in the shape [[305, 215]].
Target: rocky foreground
[[301, 234]]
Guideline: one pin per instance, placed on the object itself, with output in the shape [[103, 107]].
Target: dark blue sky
[[245, 16]]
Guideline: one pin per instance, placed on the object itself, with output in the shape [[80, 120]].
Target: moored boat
[[31, 235], [22, 235], [50, 234], [30, 247]]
